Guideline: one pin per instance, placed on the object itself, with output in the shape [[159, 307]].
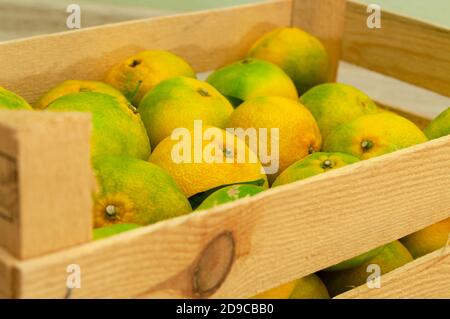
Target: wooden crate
[[235, 250]]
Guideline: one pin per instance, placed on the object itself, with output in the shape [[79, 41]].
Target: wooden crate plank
[[426, 277], [404, 48], [45, 181], [206, 39], [325, 20], [352, 210], [6, 274]]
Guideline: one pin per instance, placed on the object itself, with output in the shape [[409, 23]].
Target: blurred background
[[23, 18]]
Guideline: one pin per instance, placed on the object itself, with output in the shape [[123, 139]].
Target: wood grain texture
[[426, 277], [325, 20], [6, 274], [207, 40], [277, 236], [351, 210], [48, 173], [8, 179], [404, 48]]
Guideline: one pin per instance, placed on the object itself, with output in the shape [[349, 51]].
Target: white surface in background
[[202, 76], [393, 92]]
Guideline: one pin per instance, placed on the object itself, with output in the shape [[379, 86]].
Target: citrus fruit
[[177, 102], [229, 194], [309, 287], [333, 104], [117, 130], [111, 230], [440, 126], [298, 133], [314, 164], [75, 86], [251, 78], [138, 74], [356, 261], [429, 239], [281, 292], [302, 56], [373, 135], [392, 256], [217, 163], [134, 191], [11, 101]]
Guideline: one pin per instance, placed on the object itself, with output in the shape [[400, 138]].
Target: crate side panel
[[207, 40], [340, 217], [426, 277], [279, 235], [9, 190], [46, 186], [404, 48], [6, 274]]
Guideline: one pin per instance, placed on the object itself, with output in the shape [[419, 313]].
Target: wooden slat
[[6, 274], [352, 210], [205, 39], [426, 277], [404, 48], [45, 181], [325, 20]]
